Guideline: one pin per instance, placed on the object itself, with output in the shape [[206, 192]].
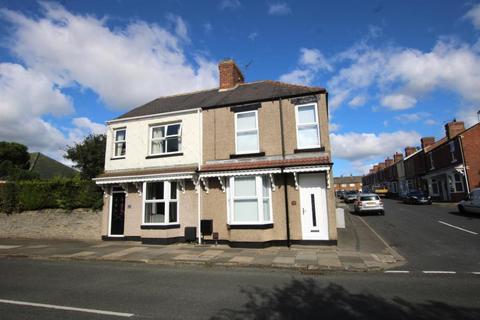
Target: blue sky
[[395, 70]]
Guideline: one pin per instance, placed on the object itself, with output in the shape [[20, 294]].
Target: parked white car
[[471, 204], [368, 202]]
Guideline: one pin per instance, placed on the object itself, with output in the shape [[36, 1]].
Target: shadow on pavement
[[306, 300], [465, 214]]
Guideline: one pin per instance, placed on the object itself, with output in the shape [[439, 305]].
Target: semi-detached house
[[245, 164]]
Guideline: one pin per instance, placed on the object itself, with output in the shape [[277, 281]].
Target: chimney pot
[[427, 141], [410, 151], [230, 74], [454, 128], [388, 162], [397, 157]]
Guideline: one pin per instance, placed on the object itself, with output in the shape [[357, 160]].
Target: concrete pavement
[[359, 249]]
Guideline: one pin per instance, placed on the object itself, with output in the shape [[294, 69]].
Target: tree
[[89, 155], [14, 162], [16, 153]]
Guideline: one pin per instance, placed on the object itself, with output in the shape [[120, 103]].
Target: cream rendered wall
[[138, 142]]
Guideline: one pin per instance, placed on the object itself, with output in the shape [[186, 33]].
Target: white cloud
[[279, 9], [474, 16], [357, 101], [412, 117], [27, 95], [431, 122], [334, 127], [229, 4], [180, 26], [398, 101], [125, 67], [89, 125], [310, 62], [469, 114], [363, 146], [252, 36]]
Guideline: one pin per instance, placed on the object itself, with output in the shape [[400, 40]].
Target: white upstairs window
[[120, 142], [308, 135], [165, 139], [246, 132]]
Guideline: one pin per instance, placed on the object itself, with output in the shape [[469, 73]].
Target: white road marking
[[439, 272], [476, 273], [397, 271], [451, 225], [8, 247], [52, 306]]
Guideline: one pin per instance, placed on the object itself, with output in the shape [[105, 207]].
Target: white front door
[[313, 205]]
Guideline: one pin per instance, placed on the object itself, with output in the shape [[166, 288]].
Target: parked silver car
[[368, 202], [471, 204]]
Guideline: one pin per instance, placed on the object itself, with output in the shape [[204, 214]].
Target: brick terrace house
[[348, 183], [453, 162], [245, 164], [447, 169]]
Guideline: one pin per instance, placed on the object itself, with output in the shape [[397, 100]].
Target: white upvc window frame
[[430, 159], [451, 146], [166, 199], [165, 125], [256, 130], [453, 181], [259, 197], [316, 123], [115, 142]]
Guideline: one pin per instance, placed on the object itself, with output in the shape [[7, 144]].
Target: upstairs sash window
[[120, 142], [246, 127], [307, 126]]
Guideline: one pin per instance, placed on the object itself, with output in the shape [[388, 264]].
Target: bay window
[[307, 126], [120, 142], [249, 200], [160, 202], [246, 132], [165, 139]]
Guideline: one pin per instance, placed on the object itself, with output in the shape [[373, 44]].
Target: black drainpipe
[[287, 216]]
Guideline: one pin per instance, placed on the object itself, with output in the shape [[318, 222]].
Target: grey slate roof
[[243, 94], [347, 179]]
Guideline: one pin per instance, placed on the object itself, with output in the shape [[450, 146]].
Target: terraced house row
[[447, 169], [245, 164]]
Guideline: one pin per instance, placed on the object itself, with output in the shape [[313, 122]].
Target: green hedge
[[64, 193]]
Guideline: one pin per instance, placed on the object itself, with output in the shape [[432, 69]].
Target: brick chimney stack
[[230, 74], [381, 166], [453, 128], [388, 162], [375, 168], [427, 141], [410, 151], [397, 157]]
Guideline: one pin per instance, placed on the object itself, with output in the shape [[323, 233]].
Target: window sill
[[164, 155], [318, 149], [250, 226], [159, 226], [117, 158], [247, 155]]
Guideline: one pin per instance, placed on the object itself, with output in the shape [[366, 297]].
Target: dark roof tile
[[242, 94]]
